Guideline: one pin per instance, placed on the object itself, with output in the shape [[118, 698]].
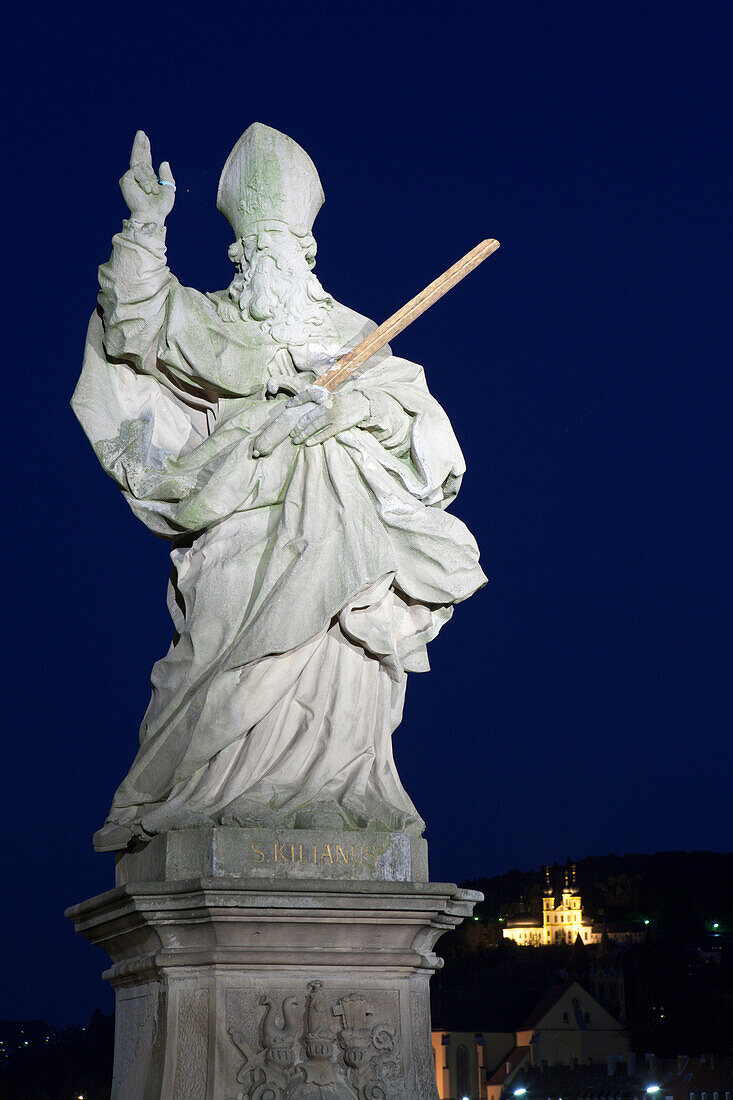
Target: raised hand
[[150, 197]]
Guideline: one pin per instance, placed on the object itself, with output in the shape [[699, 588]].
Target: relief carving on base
[[423, 1058], [319, 1047], [192, 1045], [136, 1034]]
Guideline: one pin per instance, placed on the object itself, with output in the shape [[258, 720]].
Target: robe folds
[[305, 584]]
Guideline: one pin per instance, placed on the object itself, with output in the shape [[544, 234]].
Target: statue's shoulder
[[233, 327], [221, 304], [349, 326]]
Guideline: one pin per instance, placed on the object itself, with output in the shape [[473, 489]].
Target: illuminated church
[[561, 923]]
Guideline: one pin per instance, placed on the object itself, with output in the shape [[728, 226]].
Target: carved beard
[[279, 290]]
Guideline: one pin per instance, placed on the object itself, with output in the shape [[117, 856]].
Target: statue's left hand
[[313, 416]]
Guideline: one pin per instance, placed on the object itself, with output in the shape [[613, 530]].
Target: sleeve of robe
[[142, 402]]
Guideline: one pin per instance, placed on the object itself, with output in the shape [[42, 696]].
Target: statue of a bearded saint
[[308, 572]]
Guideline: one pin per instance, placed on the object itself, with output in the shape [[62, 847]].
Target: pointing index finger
[[141, 153]]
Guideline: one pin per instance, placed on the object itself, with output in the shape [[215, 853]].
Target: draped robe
[[305, 584]]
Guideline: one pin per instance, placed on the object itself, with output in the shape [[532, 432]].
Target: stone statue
[[308, 573], [272, 926]]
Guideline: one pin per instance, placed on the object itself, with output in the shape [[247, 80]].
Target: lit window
[[462, 1069]]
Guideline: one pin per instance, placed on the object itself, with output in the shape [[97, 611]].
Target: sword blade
[[352, 360]]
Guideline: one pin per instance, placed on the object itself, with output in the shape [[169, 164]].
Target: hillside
[[678, 984], [681, 892]]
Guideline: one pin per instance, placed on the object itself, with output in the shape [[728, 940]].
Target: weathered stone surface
[[236, 989], [313, 555], [274, 939], [276, 854]]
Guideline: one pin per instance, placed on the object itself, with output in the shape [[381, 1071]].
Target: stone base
[[361, 854], [230, 987]]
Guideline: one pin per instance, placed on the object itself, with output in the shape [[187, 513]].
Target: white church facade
[[560, 923]]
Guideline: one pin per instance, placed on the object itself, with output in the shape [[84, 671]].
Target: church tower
[[570, 911], [606, 979], [548, 907], [570, 890]]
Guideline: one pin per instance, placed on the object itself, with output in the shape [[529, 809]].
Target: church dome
[[524, 920]]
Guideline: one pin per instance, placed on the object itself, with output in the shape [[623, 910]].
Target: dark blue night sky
[[580, 703]]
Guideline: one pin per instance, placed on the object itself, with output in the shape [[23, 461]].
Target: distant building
[[567, 1027], [561, 923], [465, 1060], [565, 921], [606, 980], [709, 1077]]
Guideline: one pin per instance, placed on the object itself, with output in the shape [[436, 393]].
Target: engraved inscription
[[316, 854]]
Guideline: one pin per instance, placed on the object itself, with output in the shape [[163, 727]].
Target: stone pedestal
[[255, 966]]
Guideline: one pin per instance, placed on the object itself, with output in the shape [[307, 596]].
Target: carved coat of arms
[[312, 1049]]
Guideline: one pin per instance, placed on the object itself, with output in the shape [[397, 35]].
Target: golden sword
[[349, 362]]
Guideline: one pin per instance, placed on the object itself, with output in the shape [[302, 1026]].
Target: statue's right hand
[[150, 197]]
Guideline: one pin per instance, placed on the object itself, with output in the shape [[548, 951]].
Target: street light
[[652, 1089], [520, 1092]]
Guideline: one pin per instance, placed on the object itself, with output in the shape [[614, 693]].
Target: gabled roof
[[602, 1017], [708, 1073], [542, 1007], [524, 920], [628, 1078], [508, 1065]]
